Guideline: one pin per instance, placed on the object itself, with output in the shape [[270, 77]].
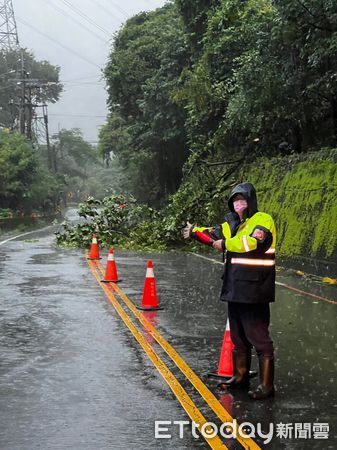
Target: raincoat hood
[[249, 193]]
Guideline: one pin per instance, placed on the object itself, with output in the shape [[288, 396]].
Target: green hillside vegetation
[[300, 193], [228, 91]]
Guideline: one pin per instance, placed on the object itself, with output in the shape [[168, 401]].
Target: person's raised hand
[[259, 234], [187, 230], [218, 245]]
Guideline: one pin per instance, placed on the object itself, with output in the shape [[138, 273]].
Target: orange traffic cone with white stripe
[[111, 269], [150, 298], [225, 367], [94, 249]]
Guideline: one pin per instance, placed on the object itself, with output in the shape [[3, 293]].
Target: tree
[[75, 161], [25, 183], [145, 131], [18, 167], [264, 69], [194, 14], [232, 31], [307, 32], [75, 154], [114, 139]]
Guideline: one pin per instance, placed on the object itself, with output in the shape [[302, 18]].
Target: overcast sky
[[76, 35]]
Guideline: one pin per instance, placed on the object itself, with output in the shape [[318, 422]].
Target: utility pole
[[22, 106], [45, 119], [54, 158], [29, 108], [9, 39], [29, 85], [28, 102]]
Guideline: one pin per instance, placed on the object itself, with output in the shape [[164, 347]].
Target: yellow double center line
[[186, 402]]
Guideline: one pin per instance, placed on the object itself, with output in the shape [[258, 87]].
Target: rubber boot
[[240, 379], [266, 388]]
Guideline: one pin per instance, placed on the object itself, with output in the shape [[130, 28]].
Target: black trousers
[[249, 326]]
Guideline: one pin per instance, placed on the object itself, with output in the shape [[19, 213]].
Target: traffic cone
[[149, 299], [94, 249], [111, 269], [225, 368]]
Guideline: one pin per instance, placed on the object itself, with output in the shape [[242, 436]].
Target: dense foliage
[[18, 165], [24, 183]]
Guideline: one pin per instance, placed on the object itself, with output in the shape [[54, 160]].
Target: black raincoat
[[249, 273]]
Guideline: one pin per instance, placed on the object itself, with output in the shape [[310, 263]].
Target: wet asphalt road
[[73, 377]]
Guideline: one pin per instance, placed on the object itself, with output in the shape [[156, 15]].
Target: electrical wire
[[120, 9], [62, 11], [70, 86], [5, 88], [77, 115], [76, 79], [108, 11], [57, 42], [84, 16], [82, 83]]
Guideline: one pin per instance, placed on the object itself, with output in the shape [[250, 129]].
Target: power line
[[82, 84], [121, 10], [108, 11], [77, 115], [57, 42], [80, 78], [87, 18], [5, 88], [96, 83], [62, 11]]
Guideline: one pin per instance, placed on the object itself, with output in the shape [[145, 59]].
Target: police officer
[[249, 238]]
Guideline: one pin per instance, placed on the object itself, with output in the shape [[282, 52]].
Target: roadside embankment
[[300, 192]]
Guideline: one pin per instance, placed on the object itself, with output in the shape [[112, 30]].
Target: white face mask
[[240, 205]]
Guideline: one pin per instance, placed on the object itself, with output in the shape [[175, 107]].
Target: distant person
[[248, 237]]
